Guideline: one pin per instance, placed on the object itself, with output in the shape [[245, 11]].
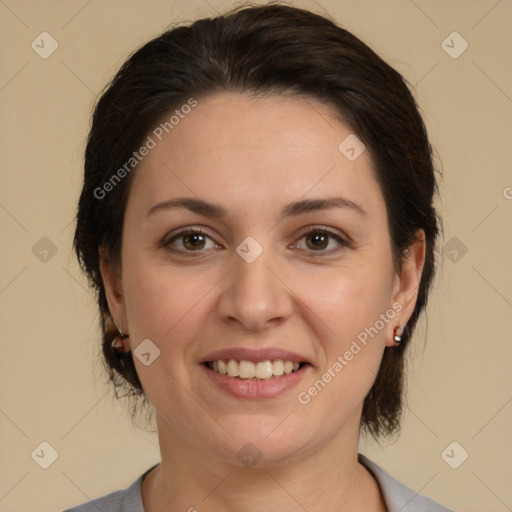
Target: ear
[[407, 283], [112, 281]]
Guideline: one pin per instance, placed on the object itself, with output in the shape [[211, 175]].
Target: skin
[[253, 156]]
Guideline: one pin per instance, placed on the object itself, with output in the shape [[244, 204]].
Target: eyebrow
[[294, 209]]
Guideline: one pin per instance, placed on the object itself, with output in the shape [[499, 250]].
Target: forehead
[[237, 147], [230, 121]]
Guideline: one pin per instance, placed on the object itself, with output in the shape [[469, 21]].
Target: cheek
[[161, 301], [348, 308], [165, 306], [346, 301]]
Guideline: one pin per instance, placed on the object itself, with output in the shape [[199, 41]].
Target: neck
[[329, 479]]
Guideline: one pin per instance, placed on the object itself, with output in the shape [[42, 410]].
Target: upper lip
[[254, 355]]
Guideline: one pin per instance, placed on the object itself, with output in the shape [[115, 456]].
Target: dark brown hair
[[272, 49]]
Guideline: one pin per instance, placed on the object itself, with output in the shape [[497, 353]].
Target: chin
[[260, 442]]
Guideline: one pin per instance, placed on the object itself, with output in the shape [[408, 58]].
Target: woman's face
[[280, 275]]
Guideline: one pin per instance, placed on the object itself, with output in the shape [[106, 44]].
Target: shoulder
[[398, 496], [125, 500], [108, 503]]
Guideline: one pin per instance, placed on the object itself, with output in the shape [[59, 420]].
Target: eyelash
[[316, 229]]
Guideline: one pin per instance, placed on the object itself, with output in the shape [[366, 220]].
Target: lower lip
[[256, 389]]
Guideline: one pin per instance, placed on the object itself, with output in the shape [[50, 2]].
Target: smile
[[262, 370], [244, 381]]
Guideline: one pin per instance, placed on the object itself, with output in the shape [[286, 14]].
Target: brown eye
[[319, 239], [193, 241], [189, 241]]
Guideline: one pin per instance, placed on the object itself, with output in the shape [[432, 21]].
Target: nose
[[255, 295]]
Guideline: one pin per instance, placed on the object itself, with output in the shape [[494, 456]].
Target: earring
[[397, 336], [118, 344]]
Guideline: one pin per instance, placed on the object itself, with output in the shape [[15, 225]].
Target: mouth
[[255, 374], [254, 371]]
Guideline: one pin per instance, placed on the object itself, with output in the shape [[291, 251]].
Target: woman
[[257, 217]]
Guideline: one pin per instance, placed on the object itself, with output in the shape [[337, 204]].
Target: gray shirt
[[398, 497]]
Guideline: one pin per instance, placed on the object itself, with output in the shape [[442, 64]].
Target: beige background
[[52, 386]]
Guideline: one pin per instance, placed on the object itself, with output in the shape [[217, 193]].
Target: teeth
[[264, 370], [222, 367], [248, 370], [232, 368], [277, 367]]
